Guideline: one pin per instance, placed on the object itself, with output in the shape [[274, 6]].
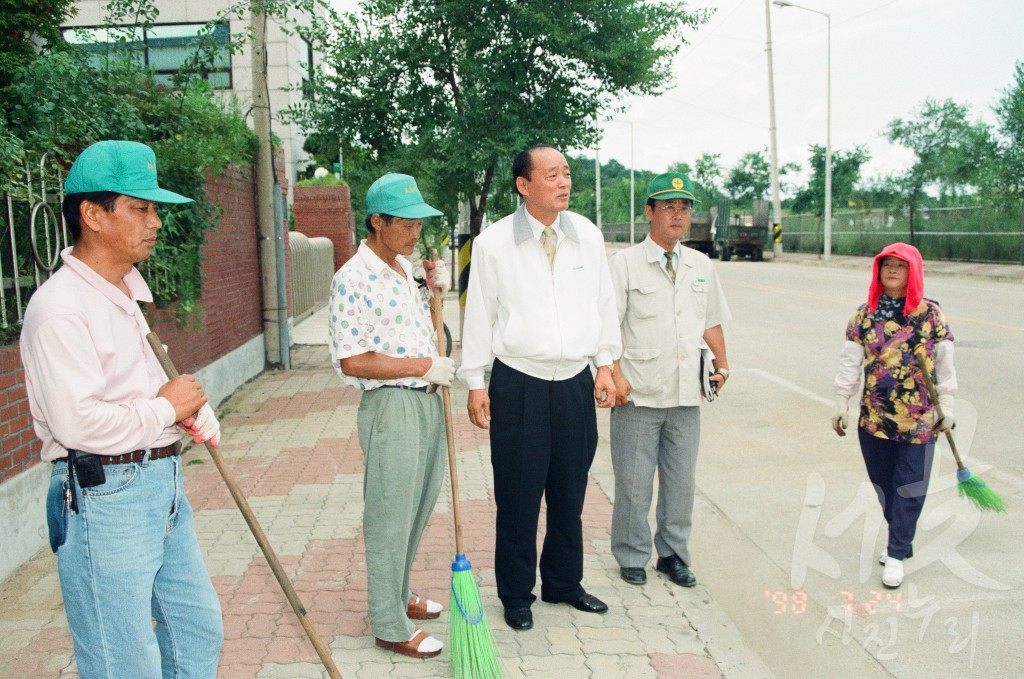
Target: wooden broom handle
[[437, 315], [254, 526], [934, 396]]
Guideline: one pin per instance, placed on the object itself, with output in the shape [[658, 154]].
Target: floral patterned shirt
[[895, 404], [372, 308]]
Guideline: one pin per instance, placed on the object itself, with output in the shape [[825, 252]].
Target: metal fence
[[974, 234], [312, 270], [619, 233], [32, 234]]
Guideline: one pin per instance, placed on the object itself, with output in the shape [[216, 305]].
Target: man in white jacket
[[540, 304]]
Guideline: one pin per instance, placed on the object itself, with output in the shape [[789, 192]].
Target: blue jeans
[[129, 556]]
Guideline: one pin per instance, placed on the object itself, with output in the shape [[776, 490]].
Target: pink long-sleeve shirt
[[91, 377]]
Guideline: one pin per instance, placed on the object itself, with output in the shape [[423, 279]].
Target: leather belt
[[136, 456]]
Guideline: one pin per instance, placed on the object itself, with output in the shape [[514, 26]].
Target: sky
[[888, 56]]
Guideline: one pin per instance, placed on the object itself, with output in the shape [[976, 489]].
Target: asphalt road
[[788, 531]]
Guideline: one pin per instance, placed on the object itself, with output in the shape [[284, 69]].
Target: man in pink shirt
[[111, 424]]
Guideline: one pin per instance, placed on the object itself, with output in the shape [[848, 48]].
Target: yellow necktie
[[547, 241], [670, 267]]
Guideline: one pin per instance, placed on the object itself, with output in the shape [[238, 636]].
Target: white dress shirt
[[547, 323]]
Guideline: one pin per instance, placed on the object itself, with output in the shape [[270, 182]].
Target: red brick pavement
[[329, 574]]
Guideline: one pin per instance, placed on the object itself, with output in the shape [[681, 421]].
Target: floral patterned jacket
[[895, 404]]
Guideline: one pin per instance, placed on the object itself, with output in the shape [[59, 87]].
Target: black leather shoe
[[634, 576], [588, 603], [677, 571], [519, 618]]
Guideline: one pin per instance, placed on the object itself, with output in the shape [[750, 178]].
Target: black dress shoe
[[677, 571], [634, 576], [588, 603], [519, 618]]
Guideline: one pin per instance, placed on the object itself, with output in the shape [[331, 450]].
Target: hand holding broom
[[968, 485], [254, 526]]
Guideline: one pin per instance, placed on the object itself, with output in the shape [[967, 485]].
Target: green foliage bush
[[55, 103], [329, 180]]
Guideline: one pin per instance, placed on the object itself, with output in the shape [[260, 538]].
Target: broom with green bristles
[[969, 486], [472, 651]]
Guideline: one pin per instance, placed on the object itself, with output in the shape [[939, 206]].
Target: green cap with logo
[[125, 167], [671, 185], [396, 195]]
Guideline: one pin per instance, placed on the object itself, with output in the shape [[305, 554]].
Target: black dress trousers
[[543, 439]]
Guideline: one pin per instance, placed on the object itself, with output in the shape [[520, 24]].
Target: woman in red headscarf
[[889, 340]]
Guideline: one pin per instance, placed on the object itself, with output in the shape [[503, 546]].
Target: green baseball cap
[[125, 167], [396, 195], [671, 185]]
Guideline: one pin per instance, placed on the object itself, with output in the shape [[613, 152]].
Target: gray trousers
[[645, 439], [402, 435]]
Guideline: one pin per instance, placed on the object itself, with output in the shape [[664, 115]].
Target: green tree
[[1010, 110], [845, 175], [451, 90], [193, 133], [952, 153], [26, 27], [884, 192], [707, 173], [750, 178]]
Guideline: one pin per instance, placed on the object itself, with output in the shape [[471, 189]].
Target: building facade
[[172, 42]]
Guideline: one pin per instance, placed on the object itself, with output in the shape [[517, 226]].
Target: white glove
[[840, 408], [203, 426], [437, 276], [442, 371], [948, 417]]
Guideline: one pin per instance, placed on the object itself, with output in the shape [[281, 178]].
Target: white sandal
[[422, 609], [421, 645]]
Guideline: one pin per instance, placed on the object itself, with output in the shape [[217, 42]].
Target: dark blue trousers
[[899, 472], [543, 440]]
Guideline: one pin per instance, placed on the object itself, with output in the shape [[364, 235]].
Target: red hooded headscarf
[[915, 277]]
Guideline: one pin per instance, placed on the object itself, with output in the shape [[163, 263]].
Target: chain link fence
[[970, 234]]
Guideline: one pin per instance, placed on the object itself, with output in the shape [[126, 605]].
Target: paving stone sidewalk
[[290, 438]]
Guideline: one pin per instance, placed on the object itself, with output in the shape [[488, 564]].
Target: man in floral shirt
[[383, 342]]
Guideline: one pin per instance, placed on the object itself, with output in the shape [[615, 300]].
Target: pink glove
[[437, 275], [203, 426]]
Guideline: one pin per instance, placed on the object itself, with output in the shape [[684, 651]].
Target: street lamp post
[[776, 201], [827, 256]]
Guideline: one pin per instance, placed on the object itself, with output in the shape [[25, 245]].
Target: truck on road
[[740, 235]]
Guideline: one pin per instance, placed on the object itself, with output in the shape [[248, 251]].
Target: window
[[166, 49], [306, 65]]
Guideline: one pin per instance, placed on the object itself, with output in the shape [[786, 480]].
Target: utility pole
[[776, 201], [597, 183], [269, 242]]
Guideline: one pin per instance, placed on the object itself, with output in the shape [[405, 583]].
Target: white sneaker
[[892, 575]]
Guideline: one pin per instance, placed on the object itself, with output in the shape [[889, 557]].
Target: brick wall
[[231, 280], [231, 304], [326, 211], [19, 448]]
